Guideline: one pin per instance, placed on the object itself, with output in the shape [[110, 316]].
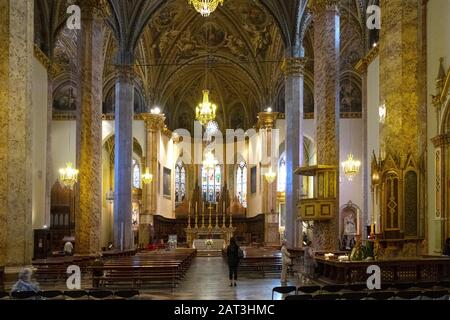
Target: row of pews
[[260, 261], [160, 269]]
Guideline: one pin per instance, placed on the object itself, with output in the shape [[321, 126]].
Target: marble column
[[399, 63], [16, 54], [294, 85], [403, 134], [154, 123], [327, 109], [89, 130], [123, 235]]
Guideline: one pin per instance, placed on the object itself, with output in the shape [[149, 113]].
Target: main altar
[[209, 222]]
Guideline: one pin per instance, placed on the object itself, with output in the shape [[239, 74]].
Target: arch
[[350, 224]]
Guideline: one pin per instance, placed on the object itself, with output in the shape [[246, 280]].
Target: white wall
[[63, 145], [166, 157], [39, 147], [438, 45]]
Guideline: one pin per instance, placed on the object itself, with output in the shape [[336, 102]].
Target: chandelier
[[351, 167], [147, 177], [270, 176], [205, 111], [68, 175], [205, 7], [210, 161]]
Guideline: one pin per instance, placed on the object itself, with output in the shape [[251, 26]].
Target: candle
[[189, 208], [196, 209]]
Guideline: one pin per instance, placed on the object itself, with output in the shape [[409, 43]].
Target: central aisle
[[207, 279]]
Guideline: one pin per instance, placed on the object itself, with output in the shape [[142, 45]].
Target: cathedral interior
[[147, 132]]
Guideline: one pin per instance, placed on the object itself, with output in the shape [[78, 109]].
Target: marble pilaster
[[16, 54], [294, 67], [326, 101], [89, 131], [154, 123]]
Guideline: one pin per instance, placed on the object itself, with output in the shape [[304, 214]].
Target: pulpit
[[322, 206]]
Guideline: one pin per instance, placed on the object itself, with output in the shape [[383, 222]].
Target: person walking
[[234, 254], [285, 262]]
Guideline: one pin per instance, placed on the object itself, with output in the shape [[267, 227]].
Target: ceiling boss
[[205, 7]]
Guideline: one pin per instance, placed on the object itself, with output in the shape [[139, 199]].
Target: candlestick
[[210, 213], [231, 219], [224, 214], [196, 220], [217, 214]]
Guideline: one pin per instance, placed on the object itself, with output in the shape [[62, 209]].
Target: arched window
[[136, 175], [241, 187], [211, 183], [180, 182], [281, 187]]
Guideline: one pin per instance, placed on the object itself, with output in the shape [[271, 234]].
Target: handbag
[[240, 253]]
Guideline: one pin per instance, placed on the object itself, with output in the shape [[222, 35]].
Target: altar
[[209, 244]]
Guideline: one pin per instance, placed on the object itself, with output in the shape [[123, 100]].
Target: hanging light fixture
[[68, 175], [147, 177], [205, 111], [351, 167], [210, 161], [205, 7], [270, 176]]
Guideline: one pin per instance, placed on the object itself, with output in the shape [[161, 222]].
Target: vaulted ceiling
[[238, 49]]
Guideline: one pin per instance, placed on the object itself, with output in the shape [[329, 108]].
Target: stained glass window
[[241, 179], [211, 183], [281, 187], [136, 174], [180, 182]]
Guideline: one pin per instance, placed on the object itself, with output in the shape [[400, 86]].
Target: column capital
[[324, 5], [293, 66], [267, 120], [94, 8], [153, 121], [124, 73]]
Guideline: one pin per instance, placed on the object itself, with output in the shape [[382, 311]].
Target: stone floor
[[206, 279]]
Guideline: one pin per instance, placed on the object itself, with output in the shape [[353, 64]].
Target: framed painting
[[167, 179], [253, 180]]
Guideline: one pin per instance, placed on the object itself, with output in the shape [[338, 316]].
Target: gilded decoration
[[293, 66], [319, 5], [267, 120], [51, 67], [153, 121]]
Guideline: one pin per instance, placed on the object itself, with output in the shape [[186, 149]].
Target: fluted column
[[16, 54], [89, 129], [154, 123], [123, 236], [327, 106], [294, 85]]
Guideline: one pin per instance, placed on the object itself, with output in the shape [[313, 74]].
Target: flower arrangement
[[329, 255], [208, 242]]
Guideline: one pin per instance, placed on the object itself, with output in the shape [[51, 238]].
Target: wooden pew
[[151, 269]]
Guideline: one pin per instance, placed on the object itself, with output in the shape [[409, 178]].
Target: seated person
[[24, 283], [68, 248]]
